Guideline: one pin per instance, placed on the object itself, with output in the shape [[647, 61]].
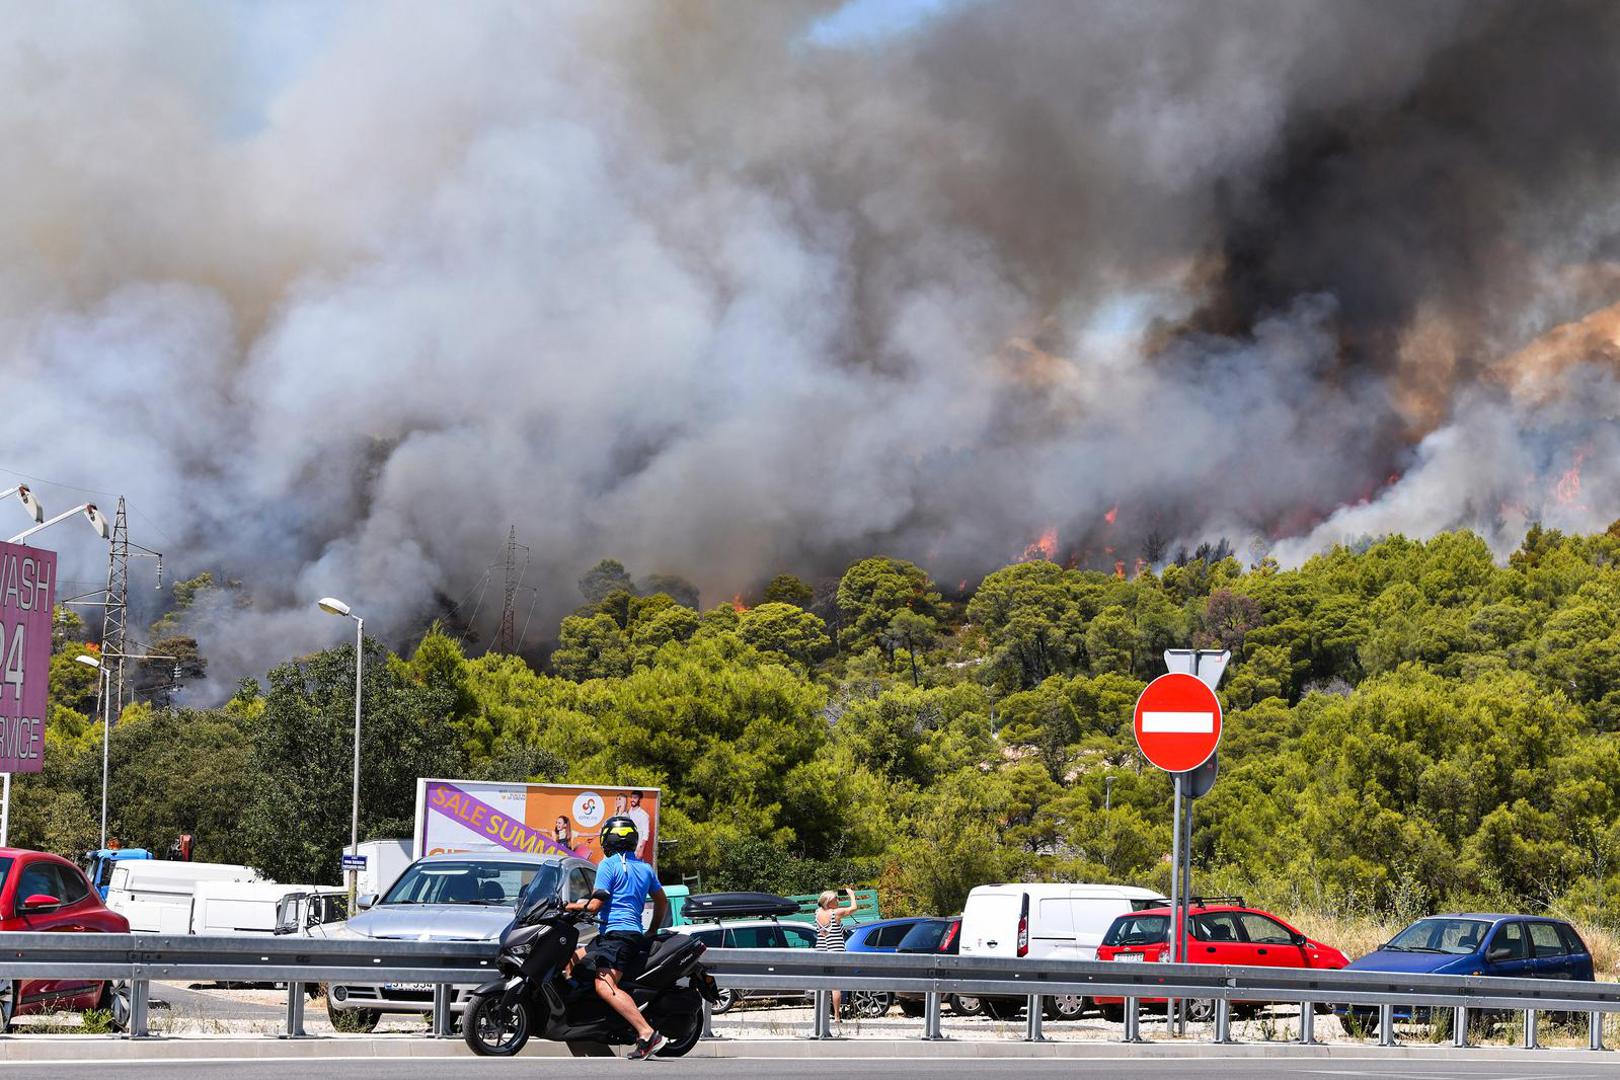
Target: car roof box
[[738, 905]]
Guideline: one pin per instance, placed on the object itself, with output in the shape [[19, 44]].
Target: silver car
[[470, 896]]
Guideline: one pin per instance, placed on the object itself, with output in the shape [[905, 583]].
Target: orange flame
[[1112, 515], [737, 604], [1567, 491], [1044, 547], [1119, 569]]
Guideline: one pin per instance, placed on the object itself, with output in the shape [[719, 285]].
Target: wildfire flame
[[1112, 515], [1044, 547], [1567, 491], [1119, 569], [737, 604]]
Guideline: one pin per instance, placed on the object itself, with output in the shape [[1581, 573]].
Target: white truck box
[[156, 896]]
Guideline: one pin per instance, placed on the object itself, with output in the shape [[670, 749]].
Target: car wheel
[[963, 1005], [115, 1000], [8, 1003], [352, 1020], [724, 1002], [869, 1004], [1114, 1014], [911, 1008], [1200, 1010], [1063, 1006]]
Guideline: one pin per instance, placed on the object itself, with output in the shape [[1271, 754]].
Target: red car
[[40, 892], [1219, 931]]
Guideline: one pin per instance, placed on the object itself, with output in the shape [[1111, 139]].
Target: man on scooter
[[623, 884]]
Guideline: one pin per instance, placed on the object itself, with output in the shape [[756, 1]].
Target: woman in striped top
[[830, 931]]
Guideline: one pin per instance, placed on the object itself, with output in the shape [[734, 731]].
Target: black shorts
[[618, 950]]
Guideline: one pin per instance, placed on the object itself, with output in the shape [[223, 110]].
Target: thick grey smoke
[[336, 294]]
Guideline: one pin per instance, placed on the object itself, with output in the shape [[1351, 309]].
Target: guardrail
[[139, 959]]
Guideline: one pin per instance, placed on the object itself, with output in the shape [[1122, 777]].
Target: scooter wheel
[[495, 1030]]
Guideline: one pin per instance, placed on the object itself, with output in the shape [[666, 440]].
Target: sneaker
[[646, 1048]]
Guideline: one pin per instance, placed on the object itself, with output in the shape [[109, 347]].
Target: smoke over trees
[[336, 293]]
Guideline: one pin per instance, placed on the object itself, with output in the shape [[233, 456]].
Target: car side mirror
[[1301, 940], [1499, 952], [366, 901], [41, 902]]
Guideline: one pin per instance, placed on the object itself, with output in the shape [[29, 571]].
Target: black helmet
[[619, 834]]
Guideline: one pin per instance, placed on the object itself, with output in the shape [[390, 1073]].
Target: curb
[[102, 1050]]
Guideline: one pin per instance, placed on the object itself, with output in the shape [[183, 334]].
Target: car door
[[1507, 953], [1580, 957], [1272, 941], [1548, 952], [1217, 938], [42, 877]]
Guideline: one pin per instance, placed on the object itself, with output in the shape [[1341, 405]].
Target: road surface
[[1527, 1067]]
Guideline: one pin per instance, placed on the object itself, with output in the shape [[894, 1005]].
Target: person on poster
[[565, 836], [643, 820]]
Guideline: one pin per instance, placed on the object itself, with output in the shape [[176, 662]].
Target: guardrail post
[[1307, 1023], [1223, 1021], [1594, 1031], [1386, 1025], [931, 1025], [1530, 1040], [1133, 1021], [1459, 1026], [1032, 1021], [708, 1021], [295, 1011], [822, 1029], [140, 991], [441, 1010]]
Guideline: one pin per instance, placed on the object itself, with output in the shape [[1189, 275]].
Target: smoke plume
[[335, 294]]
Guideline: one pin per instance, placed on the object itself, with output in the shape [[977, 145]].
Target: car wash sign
[[27, 599]]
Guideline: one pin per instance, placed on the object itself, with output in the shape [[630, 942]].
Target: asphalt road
[[1342, 1068]]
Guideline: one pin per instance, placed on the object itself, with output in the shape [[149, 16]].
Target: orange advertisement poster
[[478, 815]]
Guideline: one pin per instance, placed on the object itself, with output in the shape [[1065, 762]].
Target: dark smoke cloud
[[677, 283]]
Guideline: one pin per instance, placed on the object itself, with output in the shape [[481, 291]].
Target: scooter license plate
[[413, 987]]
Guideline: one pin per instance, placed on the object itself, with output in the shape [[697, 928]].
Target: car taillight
[[950, 936], [1023, 928]]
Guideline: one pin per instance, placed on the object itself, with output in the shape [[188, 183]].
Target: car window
[[755, 937], [799, 937], [471, 882], [1137, 930], [711, 938], [38, 879], [1544, 937], [579, 886], [1458, 936], [1264, 931], [74, 887], [924, 937], [1572, 940], [894, 935], [1510, 936], [1216, 926]]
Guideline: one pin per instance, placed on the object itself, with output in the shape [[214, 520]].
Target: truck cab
[[98, 865]]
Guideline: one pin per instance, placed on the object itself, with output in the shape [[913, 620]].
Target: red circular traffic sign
[[1178, 722]]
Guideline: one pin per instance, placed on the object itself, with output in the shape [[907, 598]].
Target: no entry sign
[[27, 593], [1178, 722]]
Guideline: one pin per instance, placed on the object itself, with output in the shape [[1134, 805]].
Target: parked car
[[40, 892], [1046, 920], [462, 897], [884, 935], [1218, 931], [1510, 946], [751, 934], [936, 935]]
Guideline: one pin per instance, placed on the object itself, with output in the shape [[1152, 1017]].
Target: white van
[[1041, 921], [156, 896], [249, 907]]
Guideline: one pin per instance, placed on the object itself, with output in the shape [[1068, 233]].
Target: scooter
[[537, 997]]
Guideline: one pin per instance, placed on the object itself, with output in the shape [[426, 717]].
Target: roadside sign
[[27, 598], [354, 862], [1208, 664], [1201, 779], [1178, 722]]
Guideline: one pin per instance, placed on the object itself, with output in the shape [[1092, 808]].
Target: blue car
[[1510, 946], [884, 935]]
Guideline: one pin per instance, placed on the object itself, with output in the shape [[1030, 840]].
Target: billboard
[[27, 599], [485, 815]]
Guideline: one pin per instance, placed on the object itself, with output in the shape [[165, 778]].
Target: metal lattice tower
[[116, 612], [505, 639]]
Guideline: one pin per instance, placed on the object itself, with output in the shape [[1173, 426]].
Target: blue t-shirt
[[628, 882]]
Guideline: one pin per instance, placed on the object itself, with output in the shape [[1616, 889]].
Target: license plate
[[1128, 958], [428, 987]]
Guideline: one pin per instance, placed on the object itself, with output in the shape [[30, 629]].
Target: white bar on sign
[[1179, 723]]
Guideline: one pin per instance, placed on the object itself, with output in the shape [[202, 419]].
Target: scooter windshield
[[541, 894]]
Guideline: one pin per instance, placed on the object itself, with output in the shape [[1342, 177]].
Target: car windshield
[[924, 937], [1137, 930], [470, 881], [1459, 936]]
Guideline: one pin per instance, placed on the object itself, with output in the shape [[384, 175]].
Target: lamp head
[[332, 605], [87, 659], [30, 504], [98, 521]]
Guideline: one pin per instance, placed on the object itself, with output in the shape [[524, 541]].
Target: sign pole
[[5, 811], [1175, 896]]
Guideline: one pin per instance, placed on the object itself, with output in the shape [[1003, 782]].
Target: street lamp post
[[333, 606], [106, 732]]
